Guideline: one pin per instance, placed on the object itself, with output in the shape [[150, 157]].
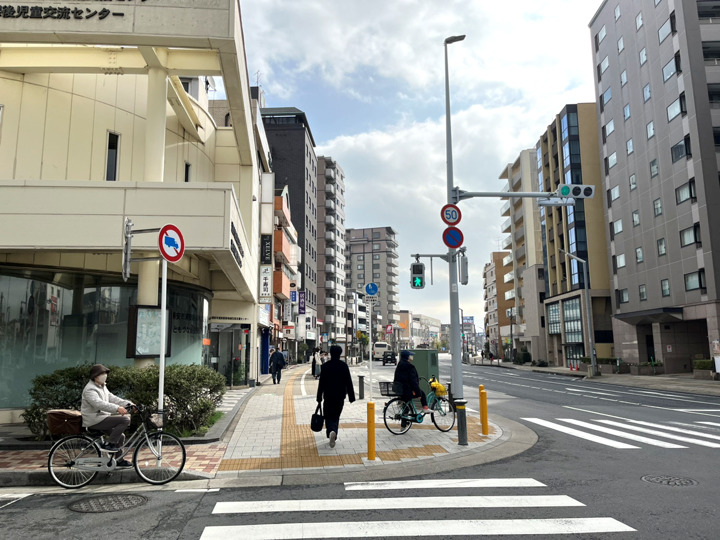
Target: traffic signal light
[[417, 276], [464, 271], [576, 191]]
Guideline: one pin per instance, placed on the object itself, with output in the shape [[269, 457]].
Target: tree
[[364, 342]]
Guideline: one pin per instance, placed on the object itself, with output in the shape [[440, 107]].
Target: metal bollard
[[362, 386], [371, 430], [462, 421], [484, 412]]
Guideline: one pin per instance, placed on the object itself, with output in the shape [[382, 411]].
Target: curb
[[37, 478]]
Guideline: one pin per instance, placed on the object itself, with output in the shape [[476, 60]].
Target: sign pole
[[370, 305], [163, 341]]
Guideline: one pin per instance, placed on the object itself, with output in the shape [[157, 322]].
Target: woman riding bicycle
[[407, 375]]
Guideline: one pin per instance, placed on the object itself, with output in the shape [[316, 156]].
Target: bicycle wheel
[[162, 460], [393, 417], [61, 461], [443, 415]]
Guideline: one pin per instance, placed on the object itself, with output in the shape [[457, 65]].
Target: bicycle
[[399, 415], [159, 457]]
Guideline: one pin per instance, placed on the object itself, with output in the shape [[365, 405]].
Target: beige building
[[523, 268], [498, 300], [93, 135]]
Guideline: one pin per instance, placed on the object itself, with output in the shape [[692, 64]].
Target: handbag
[[317, 420]]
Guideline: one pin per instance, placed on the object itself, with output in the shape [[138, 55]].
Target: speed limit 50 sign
[[451, 214]]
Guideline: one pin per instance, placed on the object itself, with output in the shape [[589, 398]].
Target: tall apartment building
[[356, 321], [524, 267], [295, 165], [658, 96], [332, 301], [497, 301], [567, 154], [374, 258]]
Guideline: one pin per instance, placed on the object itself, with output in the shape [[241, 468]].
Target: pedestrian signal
[[417, 276]]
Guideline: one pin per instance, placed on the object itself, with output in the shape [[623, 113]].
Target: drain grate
[[108, 503], [673, 481]]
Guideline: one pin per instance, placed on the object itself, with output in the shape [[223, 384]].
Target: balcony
[[520, 253], [505, 210], [510, 276], [508, 260], [393, 298], [392, 254], [330, 269], [391, 242], [329, 176], [330, 205], [509, 295], [329, 191], [330, 221], [281, 246], [330, 302], [520, 233], [329, 318], [392, 263], [506, 225], [330, 236], [330, 252], [392, 271], [281, 285], [507, 242], [392, 289]]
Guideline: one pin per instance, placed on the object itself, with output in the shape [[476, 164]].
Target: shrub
[[704, 364], [613, 361], [542, 363]]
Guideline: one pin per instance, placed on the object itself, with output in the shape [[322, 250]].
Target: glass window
[[690, 236], [376, 275], [678, 151], [633, 182], [646, 92], [629, 146], [621, 45], [661, 247], [623, 78], [695, 280], [360, 257], [685, 192], [654, 168], [651, 130], [657, 205], [621, 260], [376, 257], [554, 318], [605, 98], [615, 193], [376, 246], [638, 21], [638, 255], [636, 218], [609, 127], [361, 276], [376, 235], [612, 160], [665, 31], [572, 315], [601, 34], [643, 56], [623, 296], [626, 111], [113, 147], [669, 70], [665, 286], [617, 226], [675, 108], [360, 266], [604, 65], [617, 12], [643, 292]]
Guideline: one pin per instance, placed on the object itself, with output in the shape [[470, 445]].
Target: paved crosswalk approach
[[667, 435], [375, 518]]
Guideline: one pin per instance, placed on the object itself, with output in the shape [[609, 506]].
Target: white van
[[379, 348]]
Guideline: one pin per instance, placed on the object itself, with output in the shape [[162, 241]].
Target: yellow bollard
[[483, 412], [371, 430]]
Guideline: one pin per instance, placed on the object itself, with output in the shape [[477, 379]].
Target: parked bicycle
[[399, 415], [159, 456]]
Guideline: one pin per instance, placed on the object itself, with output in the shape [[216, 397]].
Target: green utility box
[[427, 365]]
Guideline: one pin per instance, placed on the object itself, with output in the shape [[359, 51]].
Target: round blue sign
[[371, 289], [453, 237]]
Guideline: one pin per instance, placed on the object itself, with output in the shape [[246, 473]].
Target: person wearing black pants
[[335, 384]]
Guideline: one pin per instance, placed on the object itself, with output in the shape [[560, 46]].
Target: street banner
[[301, 303], [266, 294]]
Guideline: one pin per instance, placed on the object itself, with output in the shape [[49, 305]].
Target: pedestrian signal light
[[417, 276]]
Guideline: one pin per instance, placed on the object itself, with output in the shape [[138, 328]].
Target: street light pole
[[455, 344], [588, 309]]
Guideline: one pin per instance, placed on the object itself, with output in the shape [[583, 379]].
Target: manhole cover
[[108, 503], [674, 481]]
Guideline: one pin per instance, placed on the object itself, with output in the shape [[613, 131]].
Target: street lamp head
[[453, 39]]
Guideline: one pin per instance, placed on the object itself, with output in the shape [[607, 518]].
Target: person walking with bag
[[277, 363], [335, 384]]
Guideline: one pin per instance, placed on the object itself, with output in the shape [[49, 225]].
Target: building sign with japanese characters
[[56, 11], [266, 293], [301, 303]]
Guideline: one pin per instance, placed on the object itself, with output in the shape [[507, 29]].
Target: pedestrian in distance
[[277, 363], [407, 375], [335, 384], [316, 362]]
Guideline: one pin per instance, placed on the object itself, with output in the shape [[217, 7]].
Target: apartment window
[[609, 127], [612, 160], [361, 267], [617, 12], [376, 235], [615, 193], [677, 107], [626, 111], [113, 151], [601, 34], [573, 321], [633, 182], [650, 130], [695, 280], [376, 246], [361, 257], [690, 236], [621, 45], [646, 92], [617, 226], [602, 68], [376, 257], [187, 171], [661, 247], [623, 296], [605, 98], [654, 171], [643, 293], [376, 267], [657, 205], [638, 255], [665, 286], [685, 192], [657, 2], [621, 260], [376, 275], [361, 276], [665, 31], [638, 21], [629, 146], [623, 78], [669, 69], [643, 56], [636, 218], [680, 150]]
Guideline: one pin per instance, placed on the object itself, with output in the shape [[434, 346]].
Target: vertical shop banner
[[265, 249], [287, 311], [266, 294], [301, 303]]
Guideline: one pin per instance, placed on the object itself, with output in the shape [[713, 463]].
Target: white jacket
[[98, 403]]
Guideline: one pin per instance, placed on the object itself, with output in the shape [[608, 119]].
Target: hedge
[[704, 364], [192, 393], [587, 360]]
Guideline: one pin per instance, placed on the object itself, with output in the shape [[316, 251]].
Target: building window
[[665, 286], [227, 120], [669, 70], [573, 321], [661, 247], [620, 260], [376, 235], [376, 257], [617, 226], [664, 31], [643, 56], [657, 205], [677, 107], [633, 182], [623, 78], [626, 111], [376, 275], [643, 293], [617, 12], [187, 171], [361, 267], [629, 146], [654, 168], [621, 45], [609, 127], [376, 267], [685, 192], [695, 280], [680, 150], [604, 65], [646, 92], [605, 99], [113, 152], [638, 255], [554, 318], [601, 34], [623, 296], [361, 257], [615, 193], [690, 236], [612, 160], [650, 130], [636, 218], [376, 246], [638, 21]]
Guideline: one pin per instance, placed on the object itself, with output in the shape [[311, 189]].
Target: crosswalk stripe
[[390, 529], [395, 503], [678, 430], [709, 423], [444, 484], [661, 434], [610, 431], [582, 434]]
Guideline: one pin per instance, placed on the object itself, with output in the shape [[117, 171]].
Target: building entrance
[[230, 353]]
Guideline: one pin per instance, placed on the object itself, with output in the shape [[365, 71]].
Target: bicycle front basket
[[155, 421]]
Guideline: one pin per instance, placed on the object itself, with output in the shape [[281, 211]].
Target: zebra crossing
[[667, 435], [377, 512]]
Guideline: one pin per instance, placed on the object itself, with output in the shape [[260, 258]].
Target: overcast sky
[[369, 76]]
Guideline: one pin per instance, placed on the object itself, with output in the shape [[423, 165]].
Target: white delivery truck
[[379, 348]]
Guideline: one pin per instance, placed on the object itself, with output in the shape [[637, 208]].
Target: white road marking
[[394, 503], [622, 434], [590, 392], [196, 490], [444, 484], [11, 498], [581, 434], [420, 528], [661, 434], [708, 423], [302, 383], [678, 430]]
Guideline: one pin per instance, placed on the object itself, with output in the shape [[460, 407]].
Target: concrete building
[[295, 165], [498, 296], [374, 259], [332, 302], [658, 90], [90, 136], [567, 153], [524, 267], [425, 330]]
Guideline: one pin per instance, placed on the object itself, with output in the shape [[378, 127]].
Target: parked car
[[389, 357]]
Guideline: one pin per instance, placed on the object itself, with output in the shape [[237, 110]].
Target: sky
[[370, 77]]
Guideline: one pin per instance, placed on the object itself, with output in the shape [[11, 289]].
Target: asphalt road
[[590, 479]]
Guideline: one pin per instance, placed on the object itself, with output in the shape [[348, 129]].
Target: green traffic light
[[565, 191]]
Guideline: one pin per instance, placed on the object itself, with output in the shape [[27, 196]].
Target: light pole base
[[462, 421]]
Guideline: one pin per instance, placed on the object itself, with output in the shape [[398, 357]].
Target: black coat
[[335, 382], [407, 375], [277, 361]]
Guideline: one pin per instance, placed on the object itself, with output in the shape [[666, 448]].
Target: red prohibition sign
[[450, 214], [453, 237], [171, 243]]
